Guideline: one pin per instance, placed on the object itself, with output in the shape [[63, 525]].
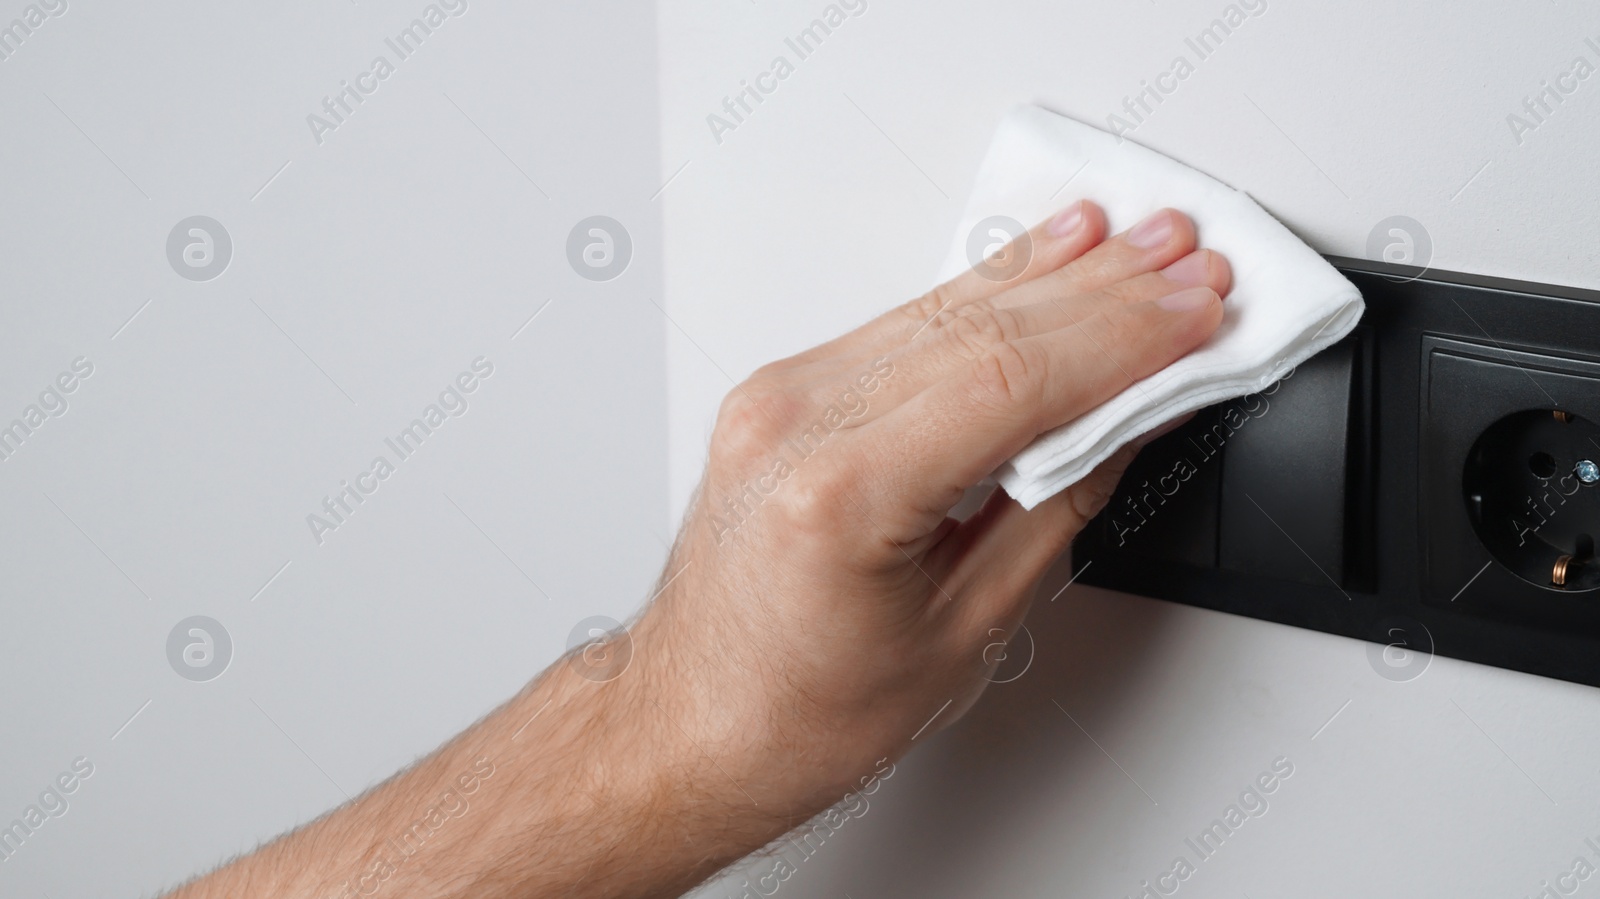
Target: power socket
[[1527, 489], [1508, 443], [1430, 476]]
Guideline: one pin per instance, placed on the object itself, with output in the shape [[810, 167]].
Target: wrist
[[769, 754]]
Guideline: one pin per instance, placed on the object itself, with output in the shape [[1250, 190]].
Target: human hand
[[823, 608]]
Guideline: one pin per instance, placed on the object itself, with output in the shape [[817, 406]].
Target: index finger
[[960, 430], [1047, 246]]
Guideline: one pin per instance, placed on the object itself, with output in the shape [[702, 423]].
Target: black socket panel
[[1436, 473]]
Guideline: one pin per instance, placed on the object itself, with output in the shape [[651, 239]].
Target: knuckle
[[922, 310], [980, 329], [1090, 495], [1006, 377], [748, 428], [772, 375], [766, 373], [817, 500]]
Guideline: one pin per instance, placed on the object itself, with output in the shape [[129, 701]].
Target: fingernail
[[1066, 221], [1186, 300], [1192, 270], [1152, 232]]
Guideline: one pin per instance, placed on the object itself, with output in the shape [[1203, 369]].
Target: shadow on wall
[[1016, 758]]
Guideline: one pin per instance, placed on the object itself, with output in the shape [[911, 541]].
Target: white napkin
[[1287, 303]]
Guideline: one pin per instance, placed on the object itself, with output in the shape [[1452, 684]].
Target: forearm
[[572, 788]]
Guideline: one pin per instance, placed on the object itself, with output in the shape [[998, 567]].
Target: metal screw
[[1587, 471]]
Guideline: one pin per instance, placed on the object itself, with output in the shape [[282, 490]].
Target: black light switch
[[1285, 474], [1166, 505]]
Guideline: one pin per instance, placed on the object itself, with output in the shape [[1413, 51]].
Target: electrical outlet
[[1510, 479], [1437, 474], [1527, 486]]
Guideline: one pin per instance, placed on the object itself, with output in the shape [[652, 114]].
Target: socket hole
[[1525, 511], [1543, 466]]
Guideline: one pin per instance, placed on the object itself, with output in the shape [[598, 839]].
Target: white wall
[[836, 198], [378, 265]]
